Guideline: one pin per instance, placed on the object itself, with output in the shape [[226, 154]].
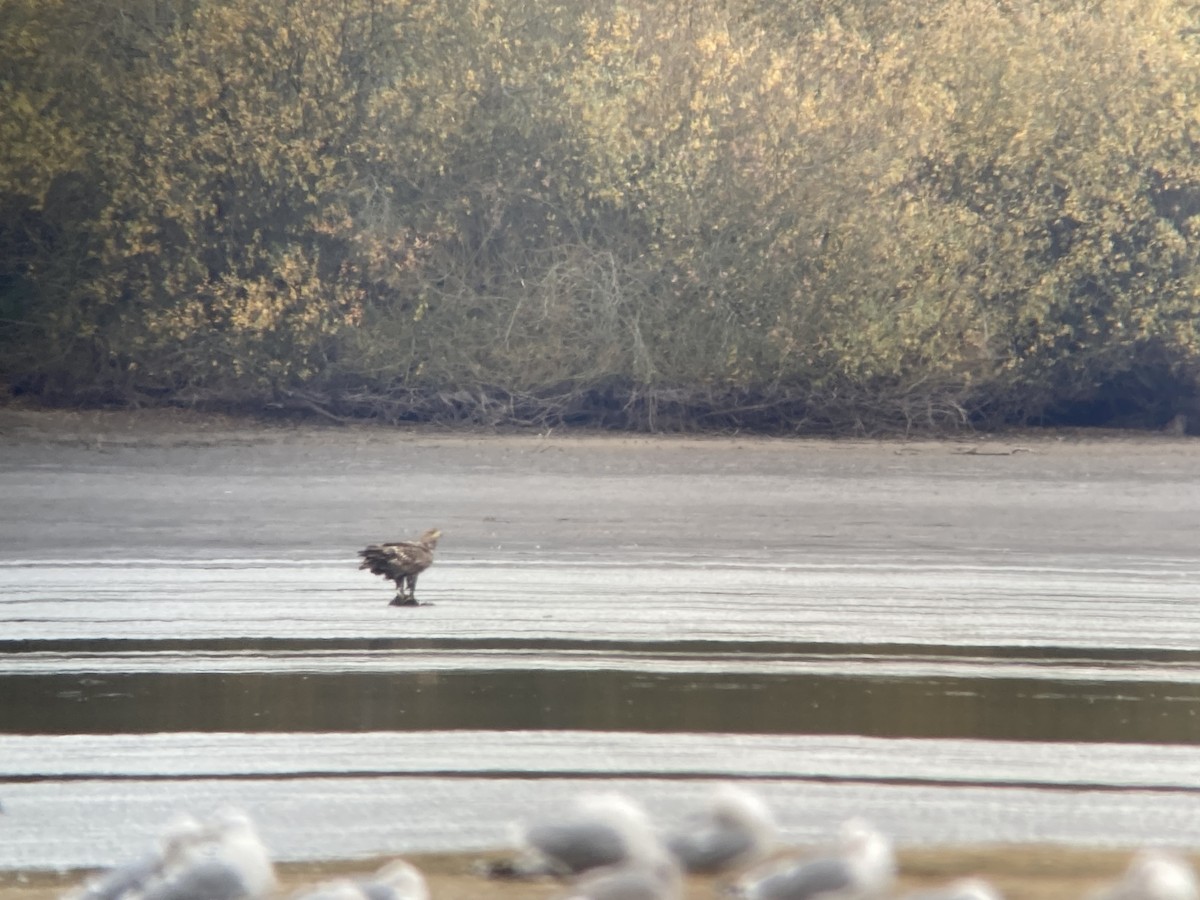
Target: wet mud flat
[[1019, 872], [174, 486]]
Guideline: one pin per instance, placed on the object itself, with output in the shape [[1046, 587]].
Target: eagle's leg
[[402, 598], [405, 591], [412, 592]]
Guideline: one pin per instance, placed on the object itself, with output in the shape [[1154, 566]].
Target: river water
[[964, 643]]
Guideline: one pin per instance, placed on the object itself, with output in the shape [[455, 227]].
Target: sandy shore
[[1021, 873]]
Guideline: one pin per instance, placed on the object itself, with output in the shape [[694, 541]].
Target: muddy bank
[[1021, 873], [165, 483]]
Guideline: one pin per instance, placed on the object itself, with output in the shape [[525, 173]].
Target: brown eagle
[[401, 562]]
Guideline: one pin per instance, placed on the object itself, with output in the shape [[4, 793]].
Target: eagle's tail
[[373, 558]]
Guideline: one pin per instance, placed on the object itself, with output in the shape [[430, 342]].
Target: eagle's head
[[430, 538]]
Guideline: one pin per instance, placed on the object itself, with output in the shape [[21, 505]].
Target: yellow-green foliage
[[843, 211]]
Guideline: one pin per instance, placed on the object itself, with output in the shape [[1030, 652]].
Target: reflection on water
[[1042, 709]]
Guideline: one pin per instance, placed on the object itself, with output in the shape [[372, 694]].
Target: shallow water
[[960, 658], [143, 646], [295, 690], [1100, 603], [806, 691]]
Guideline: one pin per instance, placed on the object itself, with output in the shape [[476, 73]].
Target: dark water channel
[[844, 690]]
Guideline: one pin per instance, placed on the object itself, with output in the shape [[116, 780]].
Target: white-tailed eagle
[[402, 562]]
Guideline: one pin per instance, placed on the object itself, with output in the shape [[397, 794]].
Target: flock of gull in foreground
[[604, 848]]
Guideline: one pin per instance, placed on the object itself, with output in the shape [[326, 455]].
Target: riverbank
[[1021, 873]]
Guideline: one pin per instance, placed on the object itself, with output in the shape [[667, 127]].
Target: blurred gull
[[962, 889], [605, 829], [338, 889], [173, 844], [862, 869], [1154, 875], [233, 865], [638, 879], [735, 829], [398, 880]]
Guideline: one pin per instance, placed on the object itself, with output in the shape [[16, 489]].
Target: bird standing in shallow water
[[401, 562]]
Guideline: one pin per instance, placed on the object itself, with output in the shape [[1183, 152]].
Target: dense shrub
[[704, 214]]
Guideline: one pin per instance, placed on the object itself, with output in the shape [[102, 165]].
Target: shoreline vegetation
[[829, 217]]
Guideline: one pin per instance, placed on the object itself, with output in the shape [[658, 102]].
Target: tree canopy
[[829, 214]]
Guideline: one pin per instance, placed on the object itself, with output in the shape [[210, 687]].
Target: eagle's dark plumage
[[402, 562]]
